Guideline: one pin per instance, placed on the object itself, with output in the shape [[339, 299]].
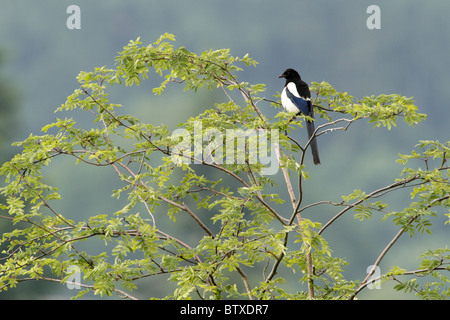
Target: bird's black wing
[[303, 91]]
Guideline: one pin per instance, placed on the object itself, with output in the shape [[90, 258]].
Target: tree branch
[[391, 187]]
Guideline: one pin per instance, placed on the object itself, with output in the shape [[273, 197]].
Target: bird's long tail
[[313, 143]]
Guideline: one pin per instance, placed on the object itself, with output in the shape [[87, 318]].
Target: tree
[[239, 223]]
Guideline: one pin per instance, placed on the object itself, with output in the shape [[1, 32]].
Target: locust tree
[[241, 223]]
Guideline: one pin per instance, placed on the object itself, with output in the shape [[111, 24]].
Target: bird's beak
[[281, 76]]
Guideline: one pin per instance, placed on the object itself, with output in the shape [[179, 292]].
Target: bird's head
[[290, 75]]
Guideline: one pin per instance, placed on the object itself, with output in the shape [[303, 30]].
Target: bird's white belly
[[287, 103]]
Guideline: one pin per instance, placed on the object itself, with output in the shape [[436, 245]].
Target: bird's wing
[[302, 103]]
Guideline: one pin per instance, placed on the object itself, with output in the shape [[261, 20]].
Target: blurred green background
[[325, 40]]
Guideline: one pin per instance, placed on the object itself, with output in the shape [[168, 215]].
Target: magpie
[[296, 97]]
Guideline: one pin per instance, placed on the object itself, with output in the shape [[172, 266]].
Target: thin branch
[[406, 273], [44, 202], [373, 194], [331, 123], [246, 283], [295, 206], [117, 291], [185, 208]]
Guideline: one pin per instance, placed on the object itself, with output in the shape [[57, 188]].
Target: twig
[[295, 206], [373, 194], [246, 283], [185, 208]]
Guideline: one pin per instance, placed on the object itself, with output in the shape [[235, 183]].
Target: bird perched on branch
[[296, 97]]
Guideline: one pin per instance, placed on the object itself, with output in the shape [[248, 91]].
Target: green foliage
[[434, 261], [243, 226]]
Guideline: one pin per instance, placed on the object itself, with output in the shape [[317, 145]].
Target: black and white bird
[[296, 97]]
